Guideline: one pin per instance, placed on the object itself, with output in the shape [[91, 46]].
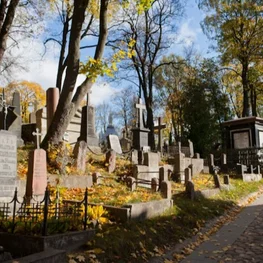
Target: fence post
[[86, 208], [46, 204], [14, 210]]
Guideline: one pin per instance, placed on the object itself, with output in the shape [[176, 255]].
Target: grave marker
[[114, 143], [8, 163], [37, 171]]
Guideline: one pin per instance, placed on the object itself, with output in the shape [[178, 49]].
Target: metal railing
[[44, 217]]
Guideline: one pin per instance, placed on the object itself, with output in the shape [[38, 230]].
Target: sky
[[42, 69]]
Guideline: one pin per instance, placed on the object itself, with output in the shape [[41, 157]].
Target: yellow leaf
[[98, 251]]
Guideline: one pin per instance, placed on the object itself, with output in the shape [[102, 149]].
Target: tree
[[150, 30], [102, 117], [18, 20], [31, 95], [124, 106], [237, 26], [170, 82], [205, 107], [69, 103]]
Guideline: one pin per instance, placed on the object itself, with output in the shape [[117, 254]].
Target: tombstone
[[190, 190], [37, 171], [191, 148], [125, 142], [160, 127], [16, 102], [241, 169], [216, 179], [8, 164], [166, 189], [114, 143], [187, 175], [197, 155], [52, 95], [134, 156], [223, 164], [211, 163], [154, 185], [111, 160], [80, 154], [96, 178], [163, 174], [131, 183], [140, 133], [151, 159], [226, 179]]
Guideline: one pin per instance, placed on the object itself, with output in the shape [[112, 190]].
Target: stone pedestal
[[52, 102], [139, 138], [87, 132]]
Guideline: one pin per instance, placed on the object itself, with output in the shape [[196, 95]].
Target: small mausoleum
[[243, 133]]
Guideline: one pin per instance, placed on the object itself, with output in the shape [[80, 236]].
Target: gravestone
[[187, 175], [140, 133], [64, 159], [125, 142], [8, 164], [190, 190], [191, 149], [37, 171], [154, 185], [16, 102], [114, 143], [166, 189], [111, 160], [80, 153], [131, 183], [160, 127], [52, 95], [96, 178]]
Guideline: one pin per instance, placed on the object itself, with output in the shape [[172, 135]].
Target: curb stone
[[216, 222]]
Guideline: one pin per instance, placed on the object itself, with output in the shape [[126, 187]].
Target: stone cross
[[140, 108], [38, 134], [159, 127]]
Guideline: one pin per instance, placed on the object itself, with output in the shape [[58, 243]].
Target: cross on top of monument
[[141, 107], [38, 134]]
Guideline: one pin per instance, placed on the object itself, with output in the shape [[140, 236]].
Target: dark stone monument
[[166, 189], [96, 178], [140, 133], [8, 164], [160, 127], [190, 190], [16, 102], [37, 171]]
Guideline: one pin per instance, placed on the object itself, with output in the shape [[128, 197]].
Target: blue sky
[[43, 70]]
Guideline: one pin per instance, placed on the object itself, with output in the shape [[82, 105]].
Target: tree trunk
[[253, 99], [246, 106], [6, 24], [66, 107]]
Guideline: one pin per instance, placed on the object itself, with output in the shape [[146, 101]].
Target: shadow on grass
[[142, 240]]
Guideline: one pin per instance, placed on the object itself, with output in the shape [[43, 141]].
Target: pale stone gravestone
[[114, 143], [80, 153], [8, 164], [37, 171], [191, 148], [111, 160]]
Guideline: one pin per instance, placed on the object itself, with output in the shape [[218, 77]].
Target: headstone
[[16, 102], [114, 143], [134, 156], [151, 159], [223, 162], [88, 132], [226, 179], [140, 133], [52, 102], [166, 189], [163, 174], [37, 172], [197, 155], [190, 190], [80, 153], [154, 185], [191, 148], [125, 142], [211, 163], [8, 164], [160, 127], [111, 161], [216, 179], [131, 183], [241, 169], [96, 178], [187, 175]]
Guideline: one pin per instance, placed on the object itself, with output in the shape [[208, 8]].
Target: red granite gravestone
[[37, 171]]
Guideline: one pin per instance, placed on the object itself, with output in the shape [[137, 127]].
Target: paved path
[[239, 241]]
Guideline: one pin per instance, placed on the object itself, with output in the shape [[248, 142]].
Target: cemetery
[[114, 148], [72, 192]]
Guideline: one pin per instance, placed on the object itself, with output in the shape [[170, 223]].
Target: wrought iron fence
[[249, 156], [44, 217]]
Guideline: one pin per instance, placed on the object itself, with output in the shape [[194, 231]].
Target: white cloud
[[187, 35]]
